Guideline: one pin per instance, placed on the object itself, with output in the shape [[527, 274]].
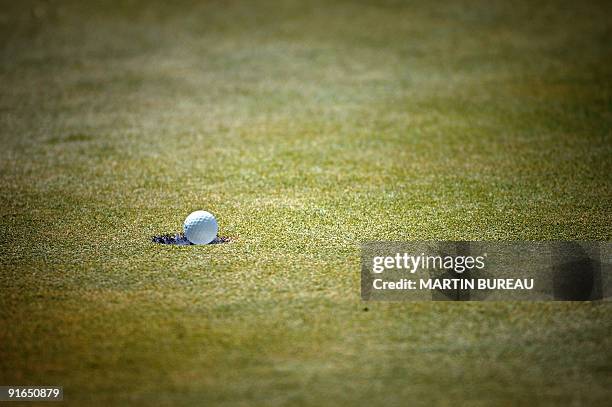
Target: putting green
[[306, 128]]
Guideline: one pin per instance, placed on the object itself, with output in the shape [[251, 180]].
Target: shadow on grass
[[179, 239]]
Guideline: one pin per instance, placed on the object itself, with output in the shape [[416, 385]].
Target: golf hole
[[179, 239]]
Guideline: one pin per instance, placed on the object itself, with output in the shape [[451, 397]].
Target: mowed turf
[[307, 128]]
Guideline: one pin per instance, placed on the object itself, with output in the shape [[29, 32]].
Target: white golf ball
[[200, 227]]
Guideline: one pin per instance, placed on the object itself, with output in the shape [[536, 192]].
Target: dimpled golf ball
[[200, 227]]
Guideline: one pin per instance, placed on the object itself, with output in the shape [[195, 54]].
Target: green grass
[[307, 128]]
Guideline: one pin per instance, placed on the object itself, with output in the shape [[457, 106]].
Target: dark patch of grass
[[70, 138]]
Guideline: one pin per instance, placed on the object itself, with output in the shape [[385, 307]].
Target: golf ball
[[200, 227]]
